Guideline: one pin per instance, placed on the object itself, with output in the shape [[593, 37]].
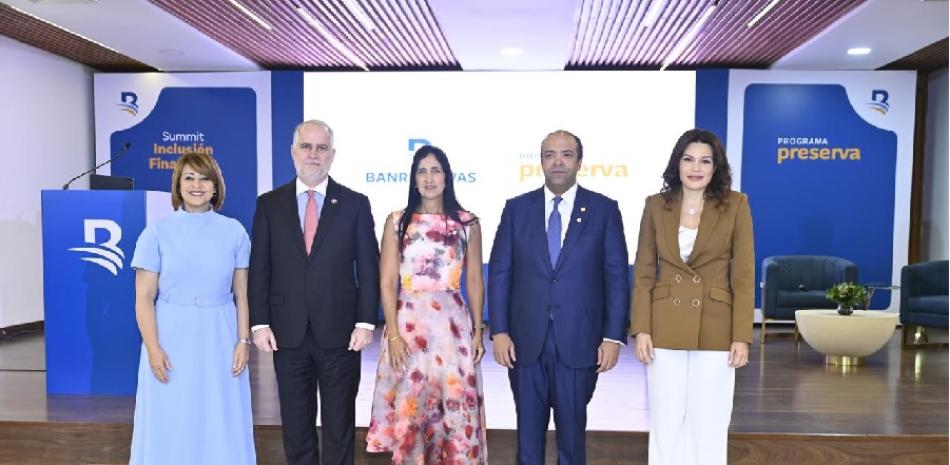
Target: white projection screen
[[491, 124]]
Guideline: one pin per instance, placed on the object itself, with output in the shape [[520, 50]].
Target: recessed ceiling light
[[63, 2], [511, 51], [859, 50]]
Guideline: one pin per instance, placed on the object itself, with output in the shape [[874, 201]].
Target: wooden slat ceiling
[[611, 33], [45, 36], [929, 58], [406, 35], [403, 34]]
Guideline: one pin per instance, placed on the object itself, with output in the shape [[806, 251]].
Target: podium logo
[[128, 102], [878, 101], [107, 254]]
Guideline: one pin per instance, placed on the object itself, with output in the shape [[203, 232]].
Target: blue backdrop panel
[[92, 341], [712, 101], [226, 120], [822, 204], [286, 114]]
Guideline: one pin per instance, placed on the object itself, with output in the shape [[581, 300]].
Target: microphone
[[117, 155]]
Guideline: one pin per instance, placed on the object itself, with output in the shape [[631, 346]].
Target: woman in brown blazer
[[692, 301]]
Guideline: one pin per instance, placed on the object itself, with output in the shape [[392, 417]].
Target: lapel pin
[[333, 201]]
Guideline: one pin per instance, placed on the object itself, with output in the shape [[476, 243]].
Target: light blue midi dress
[[203, 414]]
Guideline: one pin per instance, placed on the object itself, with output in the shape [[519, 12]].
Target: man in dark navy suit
[[313, 291], [559, 300]]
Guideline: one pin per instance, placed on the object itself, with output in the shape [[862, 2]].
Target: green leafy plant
[[847, 294]]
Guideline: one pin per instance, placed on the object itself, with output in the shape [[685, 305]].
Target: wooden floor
[[789, 408]]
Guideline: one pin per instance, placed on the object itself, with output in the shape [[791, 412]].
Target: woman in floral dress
[[428, 406]]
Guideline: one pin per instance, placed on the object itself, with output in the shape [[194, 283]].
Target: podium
[[92, 340]]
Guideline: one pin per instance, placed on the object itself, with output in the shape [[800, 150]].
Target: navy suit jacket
[[586, 294]]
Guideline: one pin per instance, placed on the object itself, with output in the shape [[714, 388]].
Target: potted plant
[[847, 295]]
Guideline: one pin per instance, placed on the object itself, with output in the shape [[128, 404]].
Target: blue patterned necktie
[[554, 233]]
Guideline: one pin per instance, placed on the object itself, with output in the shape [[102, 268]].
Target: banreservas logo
[[107, 254], [403, 177], [414, 144], [128, 102], [399, 177], [879, 102]]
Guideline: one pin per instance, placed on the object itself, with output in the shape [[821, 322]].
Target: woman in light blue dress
[[193, 404]]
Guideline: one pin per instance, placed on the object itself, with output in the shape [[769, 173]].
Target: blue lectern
[[92, 341]]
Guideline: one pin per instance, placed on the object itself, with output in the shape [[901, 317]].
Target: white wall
[[47, 129], [936, 171]]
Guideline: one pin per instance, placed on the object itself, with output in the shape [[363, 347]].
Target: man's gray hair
[[326, 127]]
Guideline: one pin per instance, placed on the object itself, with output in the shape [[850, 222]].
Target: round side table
[[845, 340]]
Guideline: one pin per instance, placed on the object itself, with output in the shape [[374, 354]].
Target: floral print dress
[[433, 412]]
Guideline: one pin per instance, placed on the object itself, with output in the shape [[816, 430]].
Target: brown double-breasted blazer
[[707, 302]]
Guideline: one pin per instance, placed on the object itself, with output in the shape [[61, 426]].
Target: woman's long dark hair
[[450, 205], [721, 182]]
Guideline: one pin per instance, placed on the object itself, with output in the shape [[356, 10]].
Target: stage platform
[[790, 408]]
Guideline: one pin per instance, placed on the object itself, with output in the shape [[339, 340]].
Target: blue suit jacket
[[586, 294]]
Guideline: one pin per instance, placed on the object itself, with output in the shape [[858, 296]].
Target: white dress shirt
[[321, 190], [302, 196], [565, 208]]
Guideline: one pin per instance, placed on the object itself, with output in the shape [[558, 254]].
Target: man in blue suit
[[559, 300]]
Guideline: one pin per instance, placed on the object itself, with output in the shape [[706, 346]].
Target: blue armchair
[[923, 299], [795, 282]]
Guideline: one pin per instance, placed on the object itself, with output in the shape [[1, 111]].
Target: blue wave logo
[[878, 101], [128, 102], [415, 144], [107, 254]]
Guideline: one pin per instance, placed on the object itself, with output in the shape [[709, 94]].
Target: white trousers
[[690, 398]]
